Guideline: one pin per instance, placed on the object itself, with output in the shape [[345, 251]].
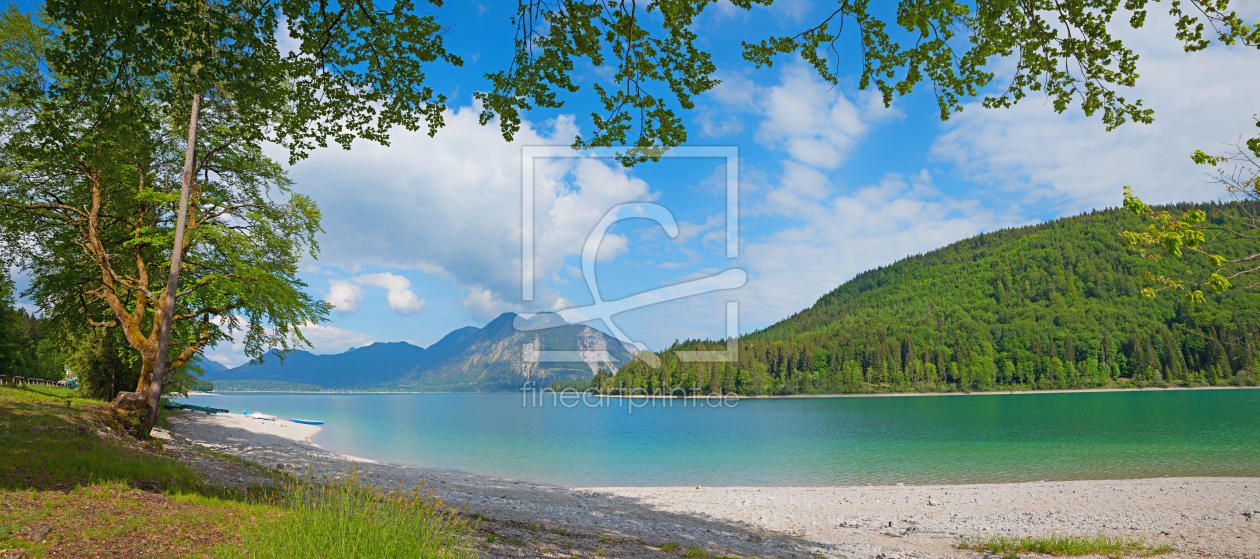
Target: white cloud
[[325, 339], [331, 339], [484, 305], [450, 206], [830, 239], [785, 11], [1070, 163], [814, 122], [398, 291], [839, 237], [344, 296], [809, 119]]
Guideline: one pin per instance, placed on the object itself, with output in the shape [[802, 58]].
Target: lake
[[791, 442]]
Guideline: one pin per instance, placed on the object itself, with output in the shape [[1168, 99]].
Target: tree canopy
[[88, 201]]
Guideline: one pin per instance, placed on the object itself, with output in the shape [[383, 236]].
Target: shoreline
[[1203, 517], [773, 396]]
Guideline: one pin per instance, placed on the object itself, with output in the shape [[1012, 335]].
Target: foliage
[[652, 47], [27, 347], [200, 385], [11, 355], [88, 205], [356, 71], [103, 363], [1107, 546], [1049, 306], [1068, 50], [570, 385], [351, 516], [1173, 235], [264, 386]]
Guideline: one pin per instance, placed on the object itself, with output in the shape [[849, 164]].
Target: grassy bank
[[1061, 545], [68, 483]]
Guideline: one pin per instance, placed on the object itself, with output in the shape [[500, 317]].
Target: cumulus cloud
[[813, 121], [485, 304], [450, 206], [398, 291], [829, 239], [1070, 163], [344, 296], [325, 339]]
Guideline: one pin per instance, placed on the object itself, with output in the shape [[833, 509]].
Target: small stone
[[38, 534], [754, 538], [934, 503]]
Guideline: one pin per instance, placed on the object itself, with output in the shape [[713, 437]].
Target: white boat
[[257, 415]]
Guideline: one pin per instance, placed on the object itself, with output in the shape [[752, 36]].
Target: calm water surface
[[798, 442]]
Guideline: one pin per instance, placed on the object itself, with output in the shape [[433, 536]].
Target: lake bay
[[789, 442]]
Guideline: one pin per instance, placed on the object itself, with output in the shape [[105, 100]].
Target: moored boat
[[308, 421]]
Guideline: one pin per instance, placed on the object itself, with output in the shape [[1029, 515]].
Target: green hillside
[[1056, 305]]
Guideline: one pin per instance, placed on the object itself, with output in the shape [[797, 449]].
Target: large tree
[[90, 201], [130, 71]]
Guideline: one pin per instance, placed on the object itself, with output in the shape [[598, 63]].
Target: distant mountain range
[[469, 359]]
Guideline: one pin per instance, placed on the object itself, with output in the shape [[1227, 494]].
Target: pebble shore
[[1202, 517]]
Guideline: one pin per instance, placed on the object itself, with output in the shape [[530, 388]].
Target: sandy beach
[[1202, 517]]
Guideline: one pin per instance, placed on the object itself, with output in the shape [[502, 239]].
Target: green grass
[[560, 530], [696, 552], [1109, 546], [352, 517], [670, 546], [107, 494], [52, 441], [533, 527]]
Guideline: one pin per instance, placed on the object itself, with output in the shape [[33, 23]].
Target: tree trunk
[[154, 393]]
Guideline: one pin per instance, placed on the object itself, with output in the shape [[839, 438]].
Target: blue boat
[[308, 422]]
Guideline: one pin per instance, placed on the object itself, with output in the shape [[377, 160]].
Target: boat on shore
[[257, 415]]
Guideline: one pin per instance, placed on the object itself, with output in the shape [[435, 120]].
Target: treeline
[[101, 361], [25, 349], [1050, 306]]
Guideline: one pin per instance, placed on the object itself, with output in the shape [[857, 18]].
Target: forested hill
[[1056, 305]]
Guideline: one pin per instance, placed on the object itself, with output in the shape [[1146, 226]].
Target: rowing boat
[[308, 422]]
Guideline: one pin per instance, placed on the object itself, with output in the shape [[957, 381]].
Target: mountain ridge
[[1056, 305], [466, 359]]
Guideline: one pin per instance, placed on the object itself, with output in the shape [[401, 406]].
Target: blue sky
[[423, 236]]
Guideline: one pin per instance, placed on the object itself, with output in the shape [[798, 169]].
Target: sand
[[1202, 517]]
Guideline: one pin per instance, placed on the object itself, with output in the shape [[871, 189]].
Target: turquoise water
[[796, 442]]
